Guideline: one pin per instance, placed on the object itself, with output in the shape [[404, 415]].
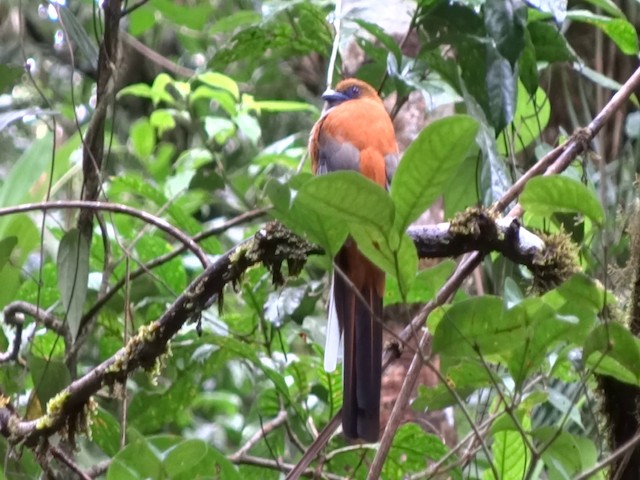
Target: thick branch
[[271, 246]]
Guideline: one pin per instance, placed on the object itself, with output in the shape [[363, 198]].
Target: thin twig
[[267, 428], [133, 7], [622, 450], [156, 57], [337, 24], [64, 458]]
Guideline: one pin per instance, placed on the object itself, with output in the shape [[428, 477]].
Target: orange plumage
[[356, 133]]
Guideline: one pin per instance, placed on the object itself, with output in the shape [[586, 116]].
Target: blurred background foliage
[[209, 118]]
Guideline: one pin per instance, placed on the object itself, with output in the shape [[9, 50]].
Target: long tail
[[362, 336]]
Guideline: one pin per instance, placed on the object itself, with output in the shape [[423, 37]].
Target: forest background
[[164, 247]]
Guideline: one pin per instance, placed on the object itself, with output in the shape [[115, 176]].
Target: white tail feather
[[334, 345]]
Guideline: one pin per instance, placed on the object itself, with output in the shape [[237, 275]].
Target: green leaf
[[531, 118], [550, 45], [411, 450], [215, 96], [543, 330], [348, 197], [136, 461], [162, 120], [384, 38], [510, 454], [608, 6], [6, 248], [578, 290], [571, 324], [8, 76], [78, 36], [563, 456], [528, 66], [280, 305], [105, 431], [618, 29], [195, 17], [143, 138], [463, 379], [194, 458], [428, 165], [131, 183], [501, 81], [505, 22], [558, 9], [547, 195], [617, 342], [237, 19], [479, 324], [73, 275], [141, 90], [141, 19], [221, 82], [424, 287], [49, 376]]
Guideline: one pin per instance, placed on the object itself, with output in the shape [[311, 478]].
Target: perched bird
[[355, 133]]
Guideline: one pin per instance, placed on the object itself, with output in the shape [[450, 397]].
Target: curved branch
[[14, 315], [158, 222]]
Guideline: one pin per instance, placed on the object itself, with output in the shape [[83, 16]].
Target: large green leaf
[[166, 456], [78, 36], [424, 287], [502, 89], [463, 379], [505, 22], [349, 197], [400, 262], [617, 342], [411, 450], [578, 292], [428, 165], [550, 45], [73, 275], [565, 454], [530, 119], [49, 376], [619, 30], [547, 195], [480, 324], [510, 454]]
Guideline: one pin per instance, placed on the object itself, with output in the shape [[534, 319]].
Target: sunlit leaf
[[428, 165], [547, 195]]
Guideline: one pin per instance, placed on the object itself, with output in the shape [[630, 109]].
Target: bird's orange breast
[[363, 125]]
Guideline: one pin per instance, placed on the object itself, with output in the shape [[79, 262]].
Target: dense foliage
[[188, 122]]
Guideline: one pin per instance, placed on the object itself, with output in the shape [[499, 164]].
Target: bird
[[356, 133]]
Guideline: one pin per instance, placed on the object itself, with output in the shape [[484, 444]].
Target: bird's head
[[350, 89]]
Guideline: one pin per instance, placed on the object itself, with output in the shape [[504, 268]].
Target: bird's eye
[[353, 91]]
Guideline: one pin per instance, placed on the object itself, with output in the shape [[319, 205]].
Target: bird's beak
[[333, 98]]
